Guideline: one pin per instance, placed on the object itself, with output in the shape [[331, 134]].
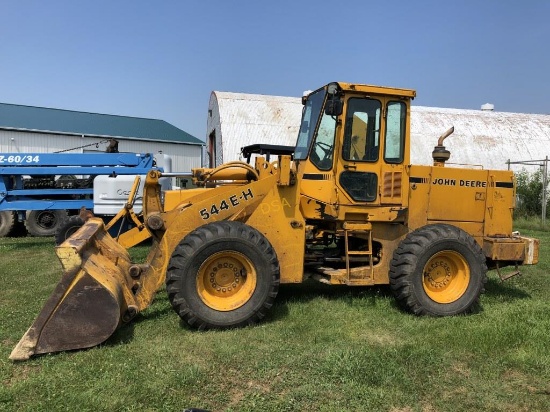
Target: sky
[[162, 59]]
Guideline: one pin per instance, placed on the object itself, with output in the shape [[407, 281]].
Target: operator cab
[[354, 137]]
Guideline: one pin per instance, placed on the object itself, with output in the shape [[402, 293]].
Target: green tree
[[529, 193]]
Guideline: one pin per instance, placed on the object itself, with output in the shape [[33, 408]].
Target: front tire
[[223, 275], [438, 270]]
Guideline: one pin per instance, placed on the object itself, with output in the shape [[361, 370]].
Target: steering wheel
[[325, 147], [323, 162]]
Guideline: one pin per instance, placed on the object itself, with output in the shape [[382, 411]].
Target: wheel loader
[[344, 207]]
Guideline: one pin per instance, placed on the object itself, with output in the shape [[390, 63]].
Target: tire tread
[[404, 266], [204, 235]]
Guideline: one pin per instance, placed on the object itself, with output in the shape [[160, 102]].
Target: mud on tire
[[222, 275], [438, 270]]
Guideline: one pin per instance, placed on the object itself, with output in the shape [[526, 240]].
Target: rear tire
[[44, 222], [8, 222], [67, 228], [223, 275], [438, 270]]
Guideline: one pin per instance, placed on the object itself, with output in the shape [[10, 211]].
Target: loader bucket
[[92, 298]]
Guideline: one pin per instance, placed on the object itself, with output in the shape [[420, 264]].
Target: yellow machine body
[[344, 206]]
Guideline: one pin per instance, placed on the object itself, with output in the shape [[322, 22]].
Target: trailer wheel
[[44, 222], [438, 270], [7, 223], [223, 275], [67, 228]]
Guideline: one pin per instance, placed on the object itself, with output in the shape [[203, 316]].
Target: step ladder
[[354, 229]]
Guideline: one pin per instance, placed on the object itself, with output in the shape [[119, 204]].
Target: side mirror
[[334, 107]]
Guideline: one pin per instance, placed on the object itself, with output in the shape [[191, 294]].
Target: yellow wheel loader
[[344, 206]]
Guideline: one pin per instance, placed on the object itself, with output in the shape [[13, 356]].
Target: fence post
[[544, 184]]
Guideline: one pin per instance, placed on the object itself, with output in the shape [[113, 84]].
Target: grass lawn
[[322, 348]]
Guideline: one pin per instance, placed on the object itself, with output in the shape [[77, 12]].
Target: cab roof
[[367, 88]]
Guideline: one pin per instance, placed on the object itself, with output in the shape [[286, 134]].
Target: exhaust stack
[[440, 154]]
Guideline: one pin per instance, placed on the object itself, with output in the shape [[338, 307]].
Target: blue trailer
[[40, 190]]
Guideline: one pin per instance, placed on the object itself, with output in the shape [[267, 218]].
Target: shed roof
[[58, 121], [486, 138]]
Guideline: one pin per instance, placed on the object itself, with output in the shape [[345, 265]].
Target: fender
[[236, 202]]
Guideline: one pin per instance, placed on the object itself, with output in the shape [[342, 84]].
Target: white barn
[[239, 119], [485, 138]]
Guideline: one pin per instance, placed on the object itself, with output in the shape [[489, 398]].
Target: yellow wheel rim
[[226, 281], [446, 276]]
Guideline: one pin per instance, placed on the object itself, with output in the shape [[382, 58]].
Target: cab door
[[358, 173], [374, 151]]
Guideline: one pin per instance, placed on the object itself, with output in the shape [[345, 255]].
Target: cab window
[[395, 132], [362, 132], [310, 116], [361, 186], [323, 149]]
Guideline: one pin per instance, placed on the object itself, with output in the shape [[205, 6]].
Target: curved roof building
[[485, 138]]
